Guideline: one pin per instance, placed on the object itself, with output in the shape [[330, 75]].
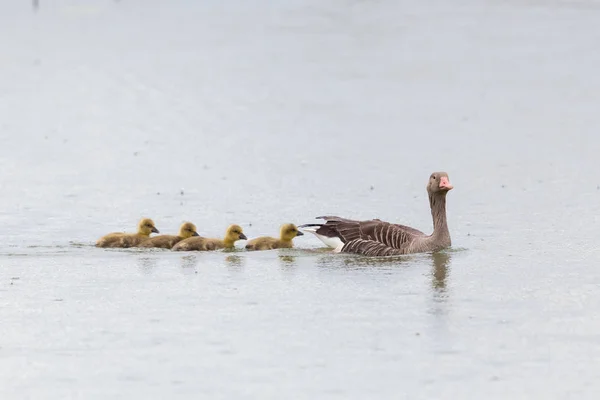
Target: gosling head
[[187, 230], [439, 183], [146, 227], [234, 233], [289, 231]]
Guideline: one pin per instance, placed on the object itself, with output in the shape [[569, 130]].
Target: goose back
[[372, 235]]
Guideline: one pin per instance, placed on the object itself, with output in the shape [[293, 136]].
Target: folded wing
[[373, 237]]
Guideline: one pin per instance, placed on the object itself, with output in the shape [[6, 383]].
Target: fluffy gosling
[[286, 234], [124, 240], [233, 234], [187, 230]]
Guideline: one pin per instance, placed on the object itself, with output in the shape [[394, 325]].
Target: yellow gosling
[[233, 234], [123, 240], [286, 234], [187, 230]]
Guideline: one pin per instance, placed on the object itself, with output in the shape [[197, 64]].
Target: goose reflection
[[352, 262], [439, 273], [381, 262]]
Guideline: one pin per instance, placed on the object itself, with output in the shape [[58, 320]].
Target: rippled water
[[260, 113]]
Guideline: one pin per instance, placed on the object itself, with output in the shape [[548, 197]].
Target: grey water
[[260, 113]]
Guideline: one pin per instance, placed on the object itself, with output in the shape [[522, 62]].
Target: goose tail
[[325, 234]]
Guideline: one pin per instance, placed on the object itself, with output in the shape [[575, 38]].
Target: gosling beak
[[195, 234], [155, 230], [299, 233], [243, 237]]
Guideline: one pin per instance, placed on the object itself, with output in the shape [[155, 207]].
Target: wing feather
[[371, 248], [370, 237]]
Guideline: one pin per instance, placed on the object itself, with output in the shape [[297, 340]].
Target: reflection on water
[[287, 260], [189, 262], [362, 261], [147, 264], [235, 263], [327, 260], [440, 270], [287, 264], [353, 261]]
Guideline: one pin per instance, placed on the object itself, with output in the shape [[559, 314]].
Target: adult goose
[[286, 234], [119, 239], [379, 238], [186, 230]]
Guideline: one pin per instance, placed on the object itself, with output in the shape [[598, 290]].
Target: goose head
[[187, 230], [439, 183], [146, 227], [289, 231]]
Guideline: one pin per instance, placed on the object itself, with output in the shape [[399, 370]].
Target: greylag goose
[[286, 234], [120, 239], [186, 230], [233, 234], [379, 238]]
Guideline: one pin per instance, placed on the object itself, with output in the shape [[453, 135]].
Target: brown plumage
[[286, 234], [233, 234], [120, 239], [379, 238], [186, 230]]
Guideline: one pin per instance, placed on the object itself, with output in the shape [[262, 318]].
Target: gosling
[[286, 234], [233, 234], [187, 230], [124, 240]]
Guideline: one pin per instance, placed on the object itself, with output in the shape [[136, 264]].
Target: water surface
[[259, 113]]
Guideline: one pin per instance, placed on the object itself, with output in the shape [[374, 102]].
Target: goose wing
[[381, 233], [372, 248]]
